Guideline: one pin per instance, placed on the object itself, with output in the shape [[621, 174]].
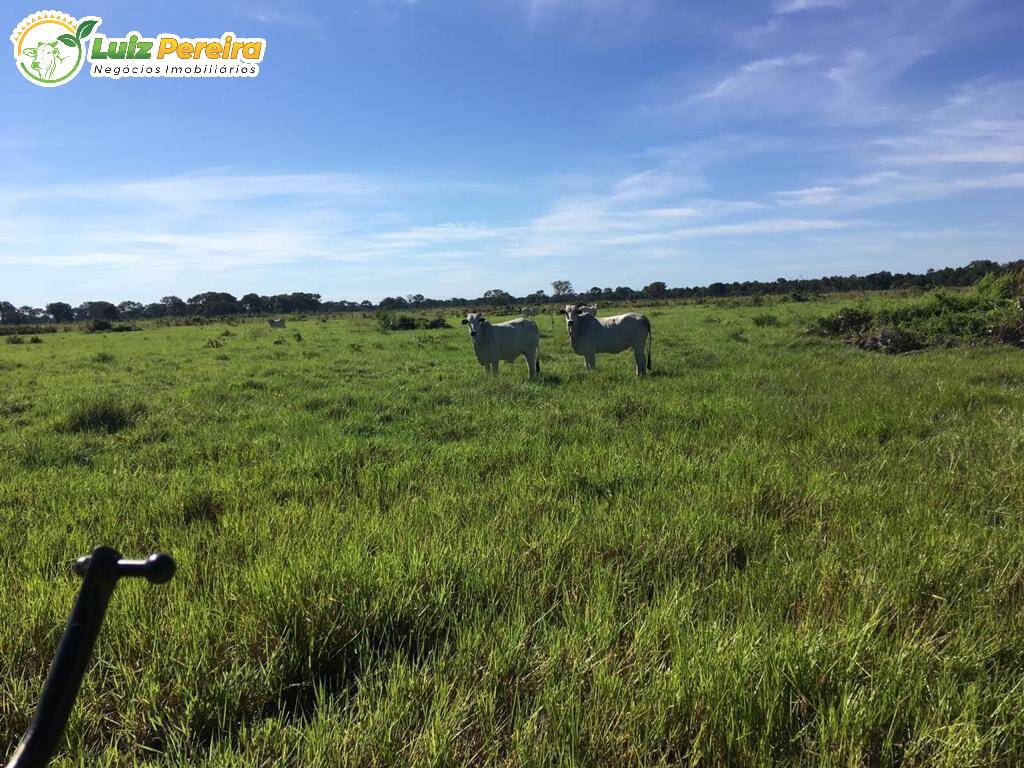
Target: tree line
[[215, 304]]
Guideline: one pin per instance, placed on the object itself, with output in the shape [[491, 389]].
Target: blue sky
[[446, 147]]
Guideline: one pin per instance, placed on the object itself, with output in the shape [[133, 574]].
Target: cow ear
[[465, 321]]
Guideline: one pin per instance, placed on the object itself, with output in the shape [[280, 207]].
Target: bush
[[103, 357], [99, 326], [388, 321], [24, 330], [938, 317], [893, 341], [35, 340], [103, 414], [1008, 285], [845, 321], [15, 340], [762, 321]]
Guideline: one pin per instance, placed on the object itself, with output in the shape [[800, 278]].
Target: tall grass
[[776, 549]]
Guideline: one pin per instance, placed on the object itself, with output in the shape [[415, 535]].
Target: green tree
[[561, 288], [60, 312]]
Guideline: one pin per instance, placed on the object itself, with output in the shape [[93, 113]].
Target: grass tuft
[[103, 414]]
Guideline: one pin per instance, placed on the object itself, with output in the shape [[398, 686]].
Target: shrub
[[15, 340], [388, 321], [24, 330], [99, 326], [845, 321], [893, 341], [762, 321], [103, 358], [213, 344], [1008, 285], [35, 340], [938, 317], [102, 414]]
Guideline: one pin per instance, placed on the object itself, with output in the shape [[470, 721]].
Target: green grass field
[[777, 549]]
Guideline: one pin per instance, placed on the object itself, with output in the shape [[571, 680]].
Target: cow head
[[475, 321], [574, 312], [45, 58]]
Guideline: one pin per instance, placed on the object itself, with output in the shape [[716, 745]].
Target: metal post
[[100, 572]]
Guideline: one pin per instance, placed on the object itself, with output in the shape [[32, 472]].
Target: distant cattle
[[276, 323], [527, 311], [504, 341], [590, 335]]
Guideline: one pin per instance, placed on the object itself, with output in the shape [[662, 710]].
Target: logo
[[49, 47]]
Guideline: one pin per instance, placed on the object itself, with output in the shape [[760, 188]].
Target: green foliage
[[938, 317], [389, 321], [845, 321], [765, 320], [15, 339], [1000, 287], [777, 552]]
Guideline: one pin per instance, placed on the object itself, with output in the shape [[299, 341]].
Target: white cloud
[[751, 75], [795, 6]]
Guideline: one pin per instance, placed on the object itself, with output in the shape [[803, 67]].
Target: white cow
[[589, 335], [276, 323], [527, 311], [504, 341]]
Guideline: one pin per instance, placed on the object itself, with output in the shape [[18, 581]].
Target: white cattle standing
[[504, 341], [527, 311], [589, 335], [276, 323]]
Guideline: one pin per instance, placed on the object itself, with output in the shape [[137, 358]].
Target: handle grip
[[100, 572], [156, 569]]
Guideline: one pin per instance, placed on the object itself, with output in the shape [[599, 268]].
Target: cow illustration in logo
[[49, 46]]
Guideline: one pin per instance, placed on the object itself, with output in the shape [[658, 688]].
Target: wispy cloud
[[795, 6], [753, 74]]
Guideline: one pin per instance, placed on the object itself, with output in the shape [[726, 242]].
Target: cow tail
[[650, 341]]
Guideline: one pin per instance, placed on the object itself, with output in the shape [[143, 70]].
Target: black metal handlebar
[[100, 572]]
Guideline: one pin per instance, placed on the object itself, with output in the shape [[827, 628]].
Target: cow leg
[[641, 361], [591, 361], [531, 362], [494, 367]]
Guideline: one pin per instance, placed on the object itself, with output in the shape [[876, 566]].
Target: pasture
[[776, 549]]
